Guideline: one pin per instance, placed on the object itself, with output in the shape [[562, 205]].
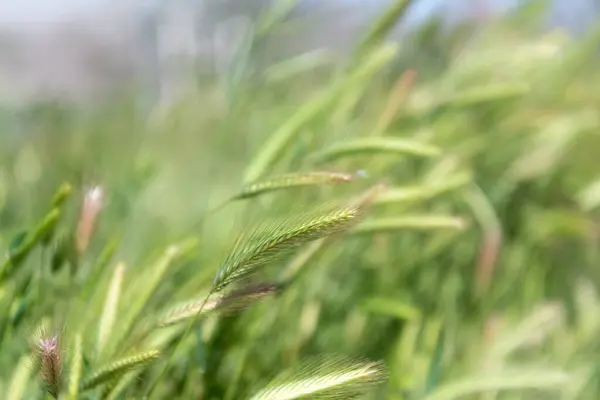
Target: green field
[[419, 222]]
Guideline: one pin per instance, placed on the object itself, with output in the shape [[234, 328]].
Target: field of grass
[[420, 222]]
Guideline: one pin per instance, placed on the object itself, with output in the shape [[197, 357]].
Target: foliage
[[463, 201]]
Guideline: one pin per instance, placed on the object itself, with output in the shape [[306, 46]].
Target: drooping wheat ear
[[47, 360], [225, 303], [333, 377], [270, 241], [287, 181], [92, 204], [118, 368]]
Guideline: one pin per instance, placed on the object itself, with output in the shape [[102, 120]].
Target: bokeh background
[[475, 274]]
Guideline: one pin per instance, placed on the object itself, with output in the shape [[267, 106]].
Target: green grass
[[241, 253]]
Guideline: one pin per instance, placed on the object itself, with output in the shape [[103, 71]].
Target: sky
[[29, 13]]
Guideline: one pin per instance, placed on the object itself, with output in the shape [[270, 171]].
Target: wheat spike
[[271, 241], [47, 361], [362, 146], [230, 302], [286, 181], [118, 368], [324, 378]]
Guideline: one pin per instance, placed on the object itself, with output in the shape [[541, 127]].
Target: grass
[[233, 247]]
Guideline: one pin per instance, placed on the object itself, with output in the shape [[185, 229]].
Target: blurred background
[[78, 50], [475, 275]]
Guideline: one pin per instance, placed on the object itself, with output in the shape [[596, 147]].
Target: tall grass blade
[[372, 145], [526, 379], [322, 102], [381, 28], [111, 304], [76, 368], [118, 368], [20, 379], [30, 240], [410, 222]]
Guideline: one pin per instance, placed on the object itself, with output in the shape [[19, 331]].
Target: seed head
[[48, 362], [92, 204]]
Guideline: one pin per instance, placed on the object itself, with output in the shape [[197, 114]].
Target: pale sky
[[27, 12]]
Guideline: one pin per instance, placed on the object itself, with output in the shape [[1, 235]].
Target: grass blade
[[107, 321], [507, 380], [76, 368], [380, 29], [413, 222], [377, 145]]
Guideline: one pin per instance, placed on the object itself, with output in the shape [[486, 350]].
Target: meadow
[[419, 221]]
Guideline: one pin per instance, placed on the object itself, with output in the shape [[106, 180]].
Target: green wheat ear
[[271, 241], [291, 180], [333, 377], [118, 368]]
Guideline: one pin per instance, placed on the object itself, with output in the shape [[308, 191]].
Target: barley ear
[[118, 368], [370, 145], [271, 241], [223, 303], [291, 180], [334, 377]]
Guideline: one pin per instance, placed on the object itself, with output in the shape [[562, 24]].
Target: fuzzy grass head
[[47, 359], [272, 240]]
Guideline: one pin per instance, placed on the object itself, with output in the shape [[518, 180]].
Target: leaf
[[225, 303], [377, 145], [380, 29]]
